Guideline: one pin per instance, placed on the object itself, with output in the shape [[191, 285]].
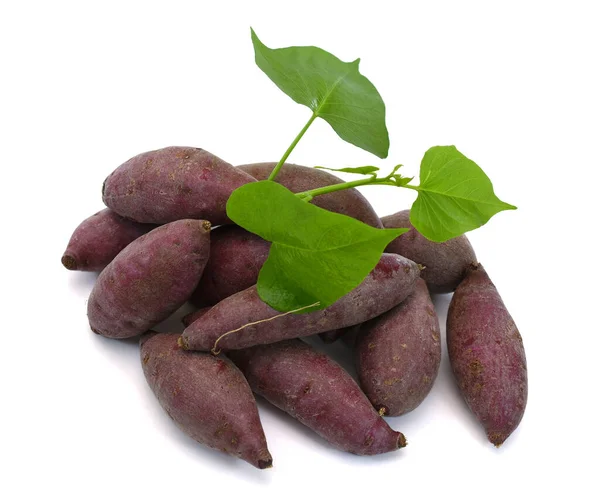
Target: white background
[[86, 85]]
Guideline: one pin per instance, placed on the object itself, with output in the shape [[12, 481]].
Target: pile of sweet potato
[[165, 239]]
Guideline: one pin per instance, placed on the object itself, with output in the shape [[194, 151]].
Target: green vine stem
[[291, 148]]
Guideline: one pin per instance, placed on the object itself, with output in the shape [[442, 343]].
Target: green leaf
[[332, 89], [455, 195], [362, 170], [316, 255]]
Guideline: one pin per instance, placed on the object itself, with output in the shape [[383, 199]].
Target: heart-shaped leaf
[[334, 90], [455, 195], [316, 255]]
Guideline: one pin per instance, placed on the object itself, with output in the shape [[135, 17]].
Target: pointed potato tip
[[382, 410], [183, 344], [497, 438], [264, 464], [69, 262], [401, 440]]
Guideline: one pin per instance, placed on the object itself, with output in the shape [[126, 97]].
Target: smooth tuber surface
[[207, 397], [98, 239], [445, 263], [236, 257], [316, 391], [390, 282], [171, 184], [487, 355], [398, 354], [149, 279]]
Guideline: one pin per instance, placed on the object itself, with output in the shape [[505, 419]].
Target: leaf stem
[[291, 148], [308, 195]]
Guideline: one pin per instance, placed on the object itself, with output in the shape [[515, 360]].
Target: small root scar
[[146, 359], [182, 342]]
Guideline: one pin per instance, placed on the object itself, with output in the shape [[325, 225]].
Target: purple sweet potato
[[316, 391], [445, 263], [398, 354], [194, 316], [99, 238], [487, 356], [390, 282], [298, 178], [149, 279], [171, 184], [207, 397], [333, 335], [236, 257]]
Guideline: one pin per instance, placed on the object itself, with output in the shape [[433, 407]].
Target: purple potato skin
[[390, 282], [236, 257], [194, 316], [207, 397], [149, 279], [398, 354], [171, 184], [99, 238], [445, 263], [299, 178], [316, 391], [487, 355]]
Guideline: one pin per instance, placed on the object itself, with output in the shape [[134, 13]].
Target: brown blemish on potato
[[435, 336], [368, 441], [403, 345], [476, 367], [396, 358], [391, 381], [308, 387], [146, 359], [371, 346], [221, 429], [206, 225]]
